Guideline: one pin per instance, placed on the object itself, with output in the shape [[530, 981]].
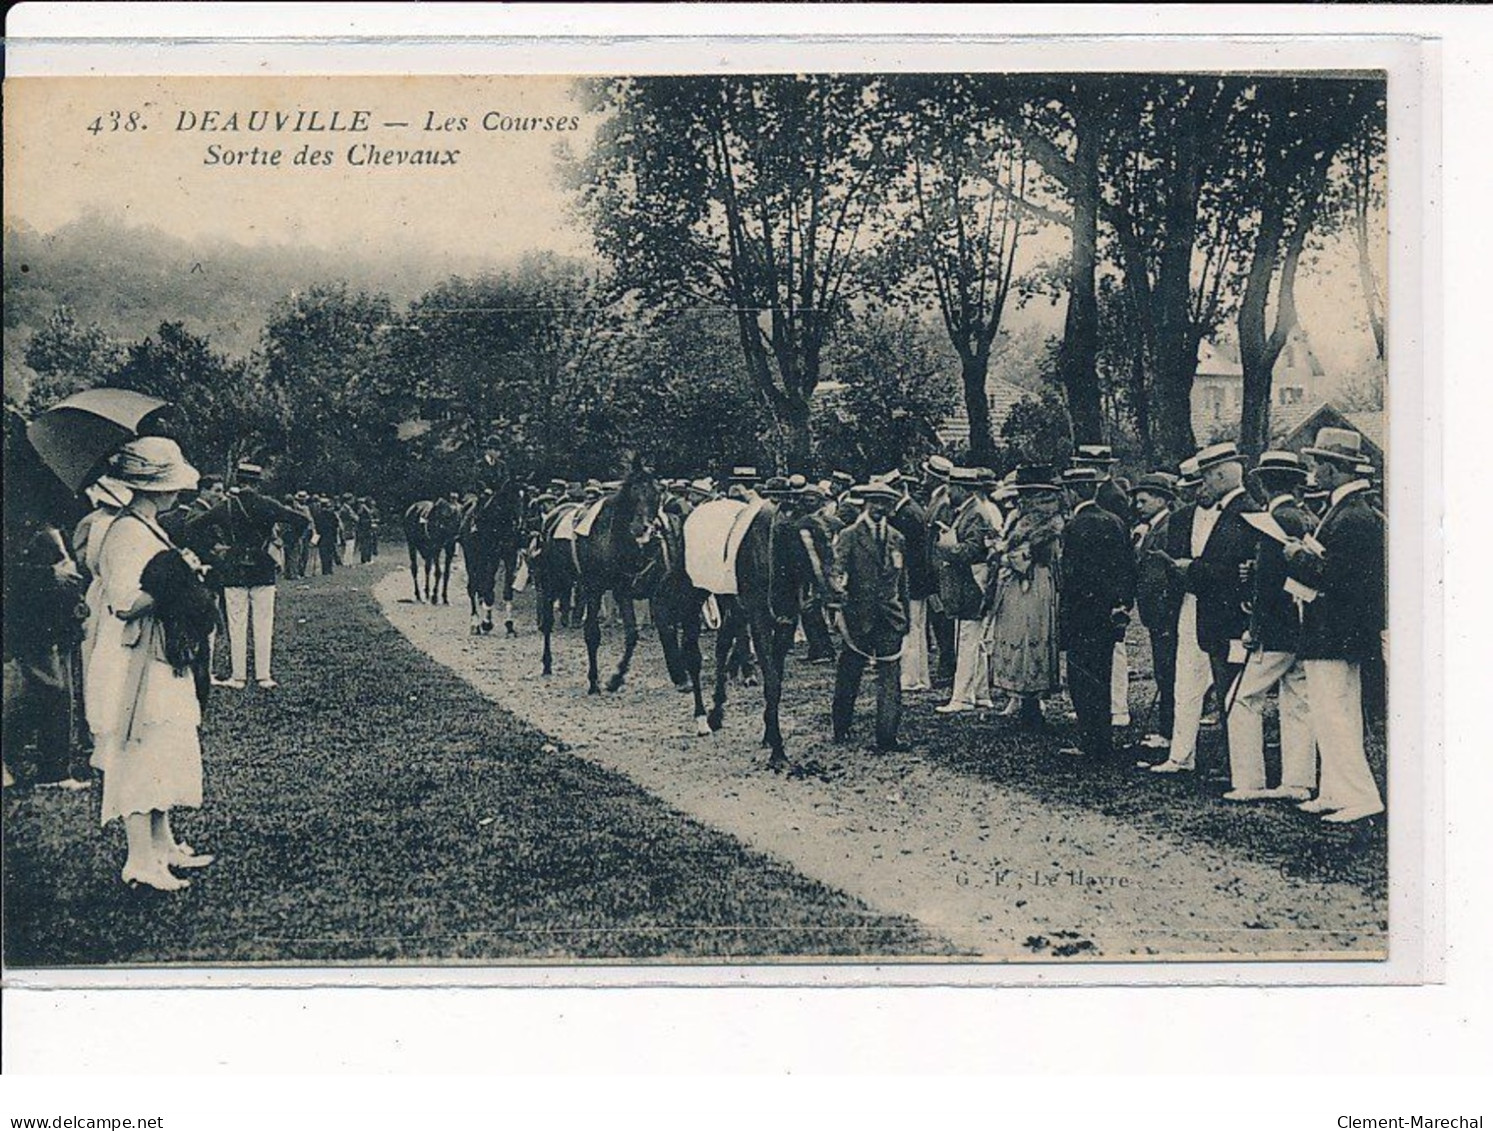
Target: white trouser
[[1119, 686], [1194, 677], [915, 675], [971, 666], [1336, 698], [256, 603], [1246, 722]]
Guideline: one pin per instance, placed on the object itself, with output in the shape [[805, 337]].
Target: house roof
[[1003, 397], [1369, 425]]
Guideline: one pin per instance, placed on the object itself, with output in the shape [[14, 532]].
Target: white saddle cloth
[[586, 517], [713, 535]]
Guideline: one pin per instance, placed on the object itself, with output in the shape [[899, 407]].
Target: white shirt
[[1204, 519]]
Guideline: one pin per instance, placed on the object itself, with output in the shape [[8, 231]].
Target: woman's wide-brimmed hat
[[153, 464]]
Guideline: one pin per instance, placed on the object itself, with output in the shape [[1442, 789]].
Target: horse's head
[[815, 551], [639, 503]]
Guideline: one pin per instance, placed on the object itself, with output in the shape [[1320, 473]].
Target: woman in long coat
[[142, 708], [1021, 623]]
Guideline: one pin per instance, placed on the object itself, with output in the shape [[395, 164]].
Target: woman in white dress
[[142, 709]]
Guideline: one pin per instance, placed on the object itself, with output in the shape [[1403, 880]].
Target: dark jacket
[[1213, 575], [870, 577], [1345, 620], [912, 521], [960, 593], [1097, 576], [1275, 617], [1112, 497], [244, 523], [1158, 592], [325, 521]]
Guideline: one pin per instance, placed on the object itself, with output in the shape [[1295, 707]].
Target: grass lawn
[[377, 809]]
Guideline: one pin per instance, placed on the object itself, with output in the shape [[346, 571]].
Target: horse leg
[[764, 636], [723, 641], [450, 554], [546, 606], [510, 567], [629, 612], [690, 611], [666, 620], [415, 571], [593, 641]]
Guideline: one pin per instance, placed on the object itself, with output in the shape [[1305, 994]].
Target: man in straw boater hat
[[1097, 586], [911, 521], [810, 507], [1274, 643], [1114, 498], [961, 549], [1205, 552], [868, 586], [1158, 594], [1343, 622], [246, 521], [939, 513]]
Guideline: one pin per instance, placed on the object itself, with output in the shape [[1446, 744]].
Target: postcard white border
[[1416, 941]]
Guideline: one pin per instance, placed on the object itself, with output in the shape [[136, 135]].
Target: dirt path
[[996, 871]]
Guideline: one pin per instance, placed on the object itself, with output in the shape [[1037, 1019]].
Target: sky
[[501, 197], [504, 195]]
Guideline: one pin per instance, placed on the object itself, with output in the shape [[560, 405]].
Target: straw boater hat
[[938, 467], [744, 474], [1085, 473], [775, 487], [842, 480], [1216, 455], [967, 477], [1279, 463], [1095, 454], [1156, 483], [1341, 445], [876, 489], [152, 463], [701, 487], [893, 479], [249, 472], [1189, 476]]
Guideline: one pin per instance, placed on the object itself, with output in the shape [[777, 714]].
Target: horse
[[779, 558], [430, 530], [604, 561], [492, 528]]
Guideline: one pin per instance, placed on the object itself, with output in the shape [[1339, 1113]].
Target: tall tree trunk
[[797, 436], [1078, 360], [973, 368], [1367, 282], [1257, 350]]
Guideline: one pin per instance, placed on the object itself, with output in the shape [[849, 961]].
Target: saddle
[[586, 518], [713, 534]]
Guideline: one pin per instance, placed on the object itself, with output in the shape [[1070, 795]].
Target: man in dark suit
[[1096, 587], [1158, 593], [868, 585], [1114, 497], [327, 532], [911, 521], [816, 521], [245, 522], [963, 553], [1343, 570], [1205, 553], [1274, 641]]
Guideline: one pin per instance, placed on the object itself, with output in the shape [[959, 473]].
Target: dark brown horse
[[491, 534], [606, 560], [430, 530], [778, 560]]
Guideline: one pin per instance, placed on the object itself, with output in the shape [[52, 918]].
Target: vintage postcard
[[879, 517]]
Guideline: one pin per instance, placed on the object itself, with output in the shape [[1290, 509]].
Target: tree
[[67, 356], [752, 192], [888, 390], [225, 411], [324, 350], [1298, 128], [967, 190]]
